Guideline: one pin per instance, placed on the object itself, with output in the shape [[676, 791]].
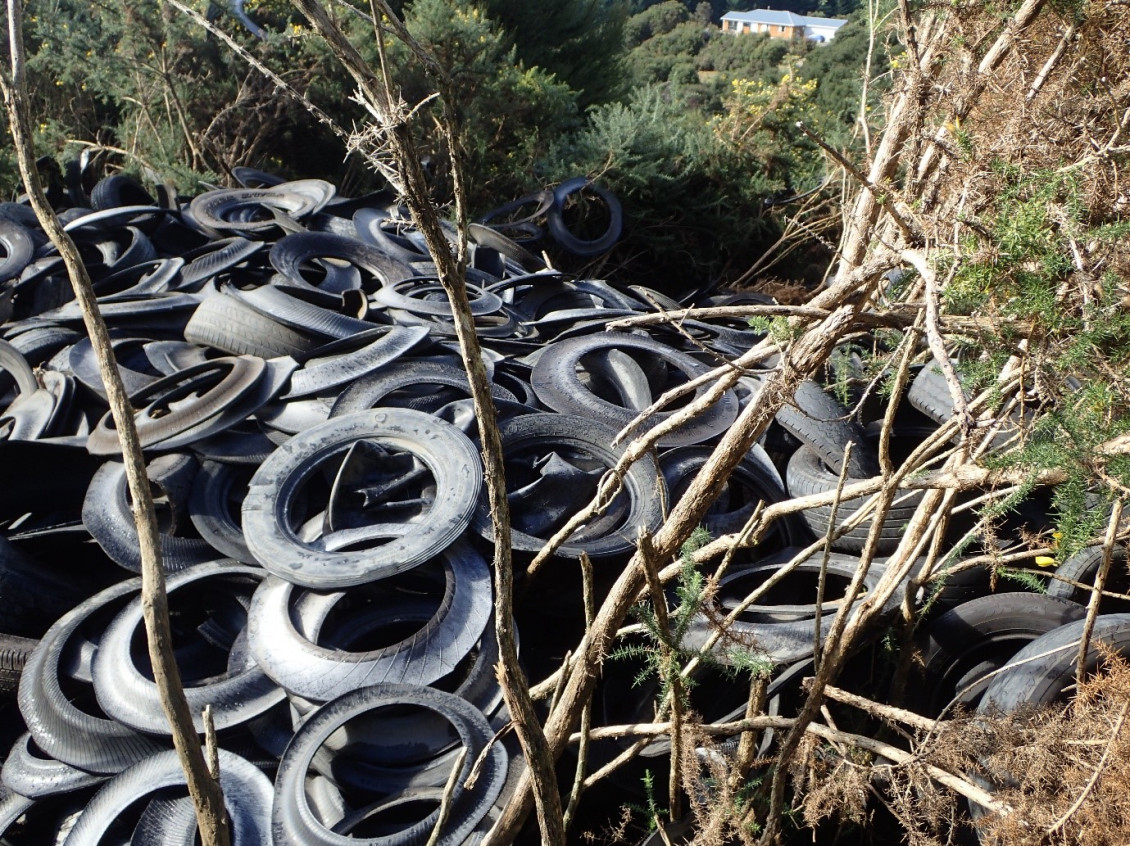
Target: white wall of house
[[818, 32], [781, 25]]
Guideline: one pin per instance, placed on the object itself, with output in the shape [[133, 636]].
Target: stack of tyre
[[312, 448]]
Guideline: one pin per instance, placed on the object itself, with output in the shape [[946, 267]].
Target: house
[[781, 25]]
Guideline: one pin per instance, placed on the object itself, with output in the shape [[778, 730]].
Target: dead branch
[[1097, 591], [878, 709], [959, 785], [934, 337], [818, 618]]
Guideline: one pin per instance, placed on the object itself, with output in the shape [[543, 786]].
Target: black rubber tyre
[[170, 822], [449, 456], [294, 823], [14, 652], [61, 720], [213, 259], [378, 229], [424, 295], [15, 365], [40, 343], [519, 259], [961, 647], [18, 249], [290, 253], [254, 212], [298, 314], [755, 480], [127, 695], [930, 394], [555, 220], [226, 323], [285, 624], [84, 365], [1083, 566], [119, 190], [553, 465], [429, 377], [219, 384], [213, 508], [247, 797], [106, 514], [349, 361], [822, 424], [782, 627], [250, 177], [1041, 672], [29, 772], [557, 384], [807, 474], [528, 226]]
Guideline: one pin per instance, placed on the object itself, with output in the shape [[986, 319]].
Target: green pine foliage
[[689, 205], [577, 41], [141, 83]]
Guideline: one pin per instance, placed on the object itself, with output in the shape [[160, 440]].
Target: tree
[[160, 94], [577, 41], [508, 114]]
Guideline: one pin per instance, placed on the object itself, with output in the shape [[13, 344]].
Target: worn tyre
[[331, 561]]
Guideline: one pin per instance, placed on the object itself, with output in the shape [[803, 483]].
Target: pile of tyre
[[312, 449]]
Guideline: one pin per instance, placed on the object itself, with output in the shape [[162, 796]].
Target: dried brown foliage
[[1034, 150], [706, 771], [1069, 768], [1056, 102], [1064, 771]]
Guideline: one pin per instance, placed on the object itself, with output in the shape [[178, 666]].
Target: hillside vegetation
[[693, 131]]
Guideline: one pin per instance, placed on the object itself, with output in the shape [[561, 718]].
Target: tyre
[[557, 383], [1082, 567], [807, 474], [826, 427], [293, 821], [412, 447], [225, 323], [438, 611], [964, 646], [14, 652], [554, 463]]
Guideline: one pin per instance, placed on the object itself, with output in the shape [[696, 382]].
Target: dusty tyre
[[334, 560]]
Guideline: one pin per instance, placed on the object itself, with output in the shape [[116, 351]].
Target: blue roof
[[780, 18]]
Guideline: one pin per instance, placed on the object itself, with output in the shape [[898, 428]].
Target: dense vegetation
[[694, 130]]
